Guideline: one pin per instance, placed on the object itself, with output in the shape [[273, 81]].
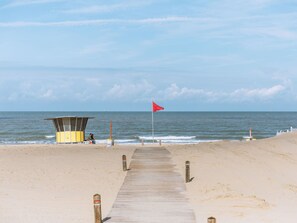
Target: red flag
[[157, 107]]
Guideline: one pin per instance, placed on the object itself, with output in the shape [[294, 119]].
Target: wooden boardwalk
[[152, 191]]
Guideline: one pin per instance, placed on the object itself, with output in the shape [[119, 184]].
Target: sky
[[87, 55]]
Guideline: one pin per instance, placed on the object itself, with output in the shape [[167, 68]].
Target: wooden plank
[[153, 191]]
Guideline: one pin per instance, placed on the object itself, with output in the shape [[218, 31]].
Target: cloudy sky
[[87, 55]]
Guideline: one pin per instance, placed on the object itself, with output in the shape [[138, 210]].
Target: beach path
[[153, 191]]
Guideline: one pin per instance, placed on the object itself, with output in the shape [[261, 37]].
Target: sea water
[[133, 127]]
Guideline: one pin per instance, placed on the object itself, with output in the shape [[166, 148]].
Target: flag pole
[[153, 124], [155, 108]]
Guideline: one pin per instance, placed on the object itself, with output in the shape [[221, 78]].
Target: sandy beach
[[56, 183], [234, 181], [243, 182]]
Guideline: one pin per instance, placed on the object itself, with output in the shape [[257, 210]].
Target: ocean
[[132, 127]]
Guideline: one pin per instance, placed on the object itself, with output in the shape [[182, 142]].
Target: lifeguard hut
[[70, 129]]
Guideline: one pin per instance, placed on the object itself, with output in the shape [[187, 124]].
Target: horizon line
[[139, 111]]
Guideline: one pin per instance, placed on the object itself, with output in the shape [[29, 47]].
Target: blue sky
[[86, 55]]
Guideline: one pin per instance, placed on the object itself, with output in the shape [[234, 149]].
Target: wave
[[25, 142], [167, 137], [117, 141], [50, 136], [176, 139], [124, 140]]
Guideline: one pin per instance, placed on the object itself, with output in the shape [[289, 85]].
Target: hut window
[[55, 121], [79, 124], [60, 125], [84, 124], [73, 124], [66, 122]]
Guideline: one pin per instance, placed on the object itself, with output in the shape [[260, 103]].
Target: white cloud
[[258, 93], [94, 88], [47, 94], [18, 3], [175, 92], [31, 90], [136, 91], [48, 24], [108, 8], [159, 20], [95, 9], [243, 94]]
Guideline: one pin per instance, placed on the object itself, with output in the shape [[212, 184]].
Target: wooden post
[[187, 171], [110, 130], [124, 159], [142, 142], [160, 142], [97, 208], [211, 220]]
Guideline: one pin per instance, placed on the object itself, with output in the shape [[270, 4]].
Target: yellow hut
[[70, 129]]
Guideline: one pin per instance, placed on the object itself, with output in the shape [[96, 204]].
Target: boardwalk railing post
[[211, 220], [97, 208], [160, 142], [124, 162], [187, 171]]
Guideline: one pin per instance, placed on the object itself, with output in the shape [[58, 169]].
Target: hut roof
[[69, 117]]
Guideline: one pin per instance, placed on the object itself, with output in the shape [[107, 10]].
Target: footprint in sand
[[242, 201], [292, 188]]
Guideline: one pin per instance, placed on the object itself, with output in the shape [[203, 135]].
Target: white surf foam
[[167, 137], [175, 139], [50, 136], [117, 141]]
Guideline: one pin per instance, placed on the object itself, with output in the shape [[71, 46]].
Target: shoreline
[[104, 144]]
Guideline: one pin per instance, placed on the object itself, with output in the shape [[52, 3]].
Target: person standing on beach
[[91, 138]]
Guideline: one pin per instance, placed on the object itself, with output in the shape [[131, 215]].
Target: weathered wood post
[[110, 130], [124, 159], [160, 142], [187, 171], [97, 208], [142, 142], [211, 220]]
